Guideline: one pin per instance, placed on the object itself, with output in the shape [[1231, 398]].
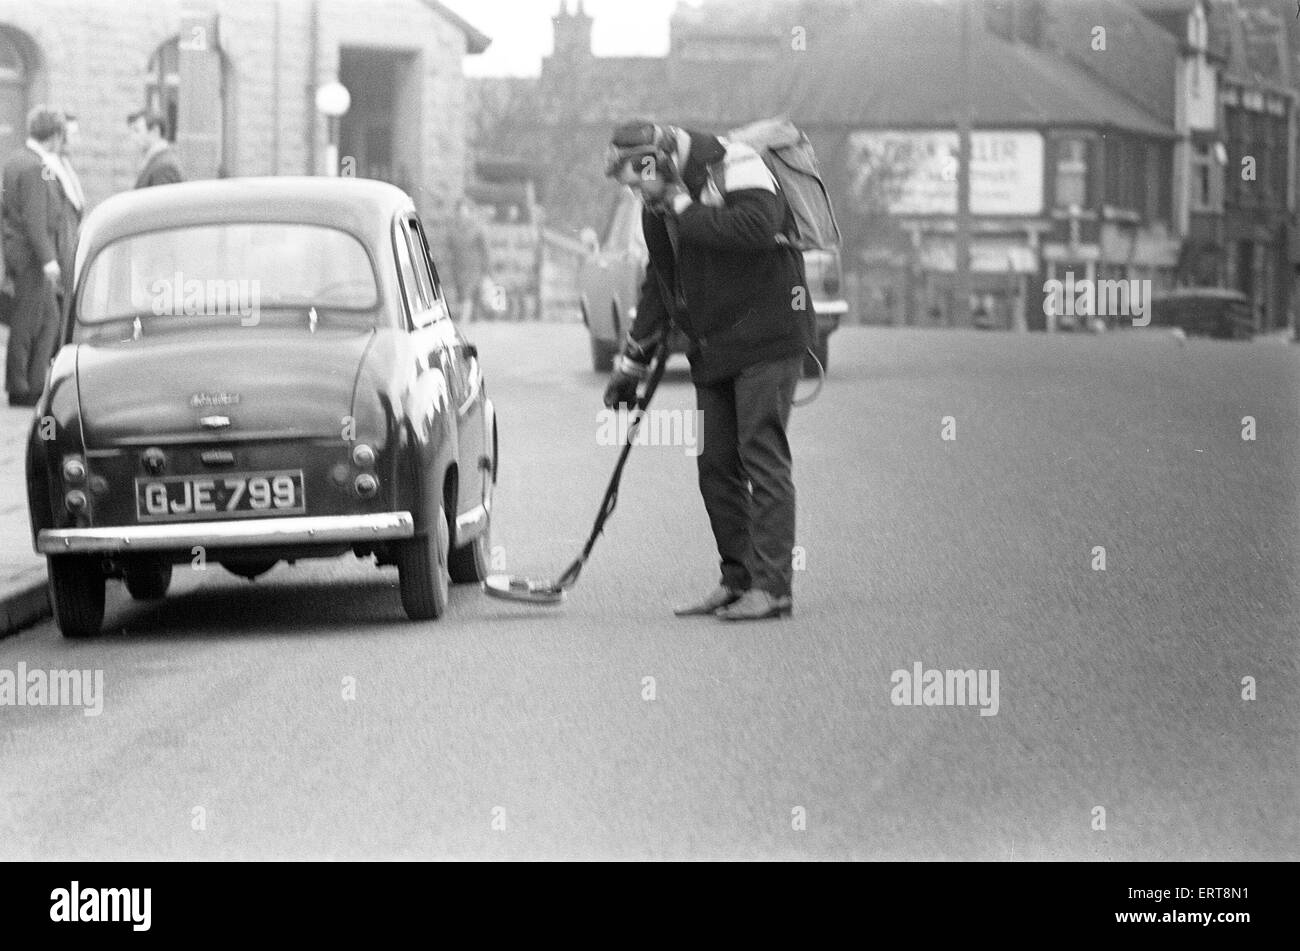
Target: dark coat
[[737, 295], [31, 213], [162, 169]]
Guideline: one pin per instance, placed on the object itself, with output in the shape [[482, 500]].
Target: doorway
[[381, 131]]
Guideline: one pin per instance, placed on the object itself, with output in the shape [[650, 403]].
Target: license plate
[[238, 495]]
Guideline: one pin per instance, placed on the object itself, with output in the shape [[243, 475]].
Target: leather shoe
[[720, 597], [756, 605]]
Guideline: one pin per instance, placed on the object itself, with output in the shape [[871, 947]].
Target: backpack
[[789, 156]]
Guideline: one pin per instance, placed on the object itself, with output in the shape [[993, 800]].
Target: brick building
[[238, 79]]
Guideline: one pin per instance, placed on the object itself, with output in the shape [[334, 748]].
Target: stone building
[[237, 81]]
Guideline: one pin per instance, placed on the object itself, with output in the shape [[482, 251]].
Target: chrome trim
[[248, 533], [476, 518], [830, 306]]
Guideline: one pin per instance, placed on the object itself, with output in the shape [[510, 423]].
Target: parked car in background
[[256, 371], [610, 280], [1209, 311]]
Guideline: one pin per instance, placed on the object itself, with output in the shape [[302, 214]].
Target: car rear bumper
[[245, 533]]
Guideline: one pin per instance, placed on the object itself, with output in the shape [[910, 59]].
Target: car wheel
[[148, 580], [602, 355], [469, 563], [822, 351], [422, 572], [77, 594]]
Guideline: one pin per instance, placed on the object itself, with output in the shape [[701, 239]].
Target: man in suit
[[32, 212], [149, 133], [74, 199]]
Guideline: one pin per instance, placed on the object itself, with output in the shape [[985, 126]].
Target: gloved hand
[[621, 390], [630, 368]]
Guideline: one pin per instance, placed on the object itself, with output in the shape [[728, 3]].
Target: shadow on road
[[297, 608]]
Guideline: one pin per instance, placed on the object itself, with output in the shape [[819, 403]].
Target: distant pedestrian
[[469, 262], [32, 212], [149, 134]]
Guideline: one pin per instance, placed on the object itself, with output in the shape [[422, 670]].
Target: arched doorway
[[15, 91], [205, 90], [162, 85]]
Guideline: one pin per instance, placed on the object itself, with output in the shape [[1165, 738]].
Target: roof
[[476, 41], [896, 66], [362, 207]]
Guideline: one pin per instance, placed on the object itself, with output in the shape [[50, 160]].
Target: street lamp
[[332, 101]]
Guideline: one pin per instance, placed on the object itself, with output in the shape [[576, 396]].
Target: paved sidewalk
[[23, 597]]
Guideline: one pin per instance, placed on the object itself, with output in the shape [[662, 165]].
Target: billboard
[[915, 172]]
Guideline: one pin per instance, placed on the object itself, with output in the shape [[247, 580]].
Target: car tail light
[[75, 501], [832, 282], [74, 470], [366, 485], [363, 456]]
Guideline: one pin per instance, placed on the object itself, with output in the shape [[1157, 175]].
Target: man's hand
[[621, 390], [630, 368], [53, 272], [674, 198]]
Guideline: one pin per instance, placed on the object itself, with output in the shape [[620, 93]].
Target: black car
[[1209, 311], [258, 370]]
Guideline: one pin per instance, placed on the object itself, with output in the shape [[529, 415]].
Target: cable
[[821, 381]]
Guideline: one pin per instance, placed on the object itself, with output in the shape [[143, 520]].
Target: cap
[[633, 140]]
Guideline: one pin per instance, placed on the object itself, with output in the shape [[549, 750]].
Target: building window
[[1071, 173], [163, 84], [1207, 180]]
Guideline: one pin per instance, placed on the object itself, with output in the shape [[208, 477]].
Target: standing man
[[149, 134], [74, 208], [711, 220], [31, 215], [469, 260]]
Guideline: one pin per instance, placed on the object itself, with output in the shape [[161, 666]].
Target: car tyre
[[77, 594], [469, 563], [822, 351], [422, 572], [148, 581]]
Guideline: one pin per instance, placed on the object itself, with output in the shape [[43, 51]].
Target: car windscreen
[[214, 274]]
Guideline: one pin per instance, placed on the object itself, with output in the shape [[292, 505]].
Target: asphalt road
[[507, 731]]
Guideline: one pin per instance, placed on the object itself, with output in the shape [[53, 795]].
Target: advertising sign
[[915, 173]]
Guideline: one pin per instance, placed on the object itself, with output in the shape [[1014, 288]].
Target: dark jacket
[[162, 169], [738, 296], [31, 212]]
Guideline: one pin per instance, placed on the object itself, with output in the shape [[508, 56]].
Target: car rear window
[[217, 272]]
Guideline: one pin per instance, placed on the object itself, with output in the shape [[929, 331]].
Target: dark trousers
[[33, 333], [744, 440]]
